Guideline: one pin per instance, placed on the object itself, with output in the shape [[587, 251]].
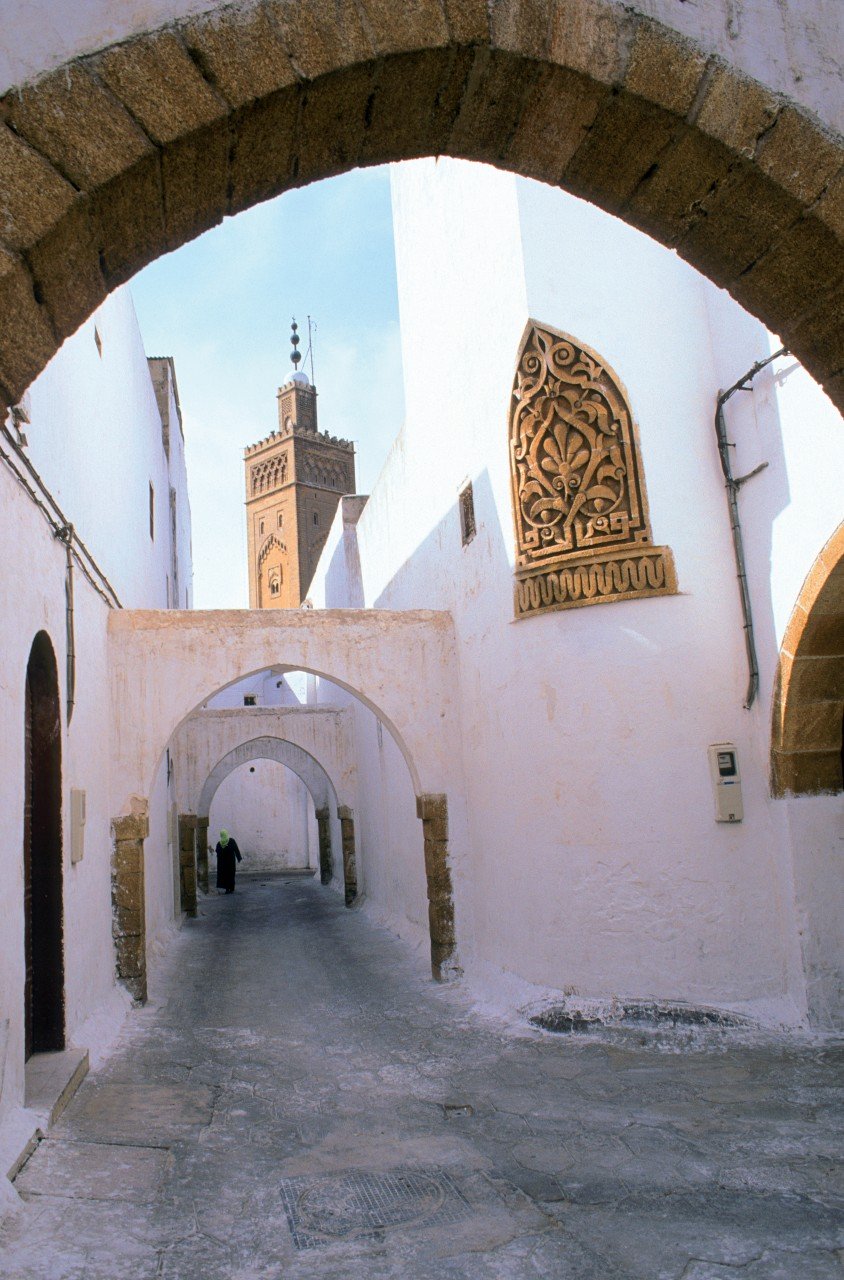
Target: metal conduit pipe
[[733, 484], [65, 535]]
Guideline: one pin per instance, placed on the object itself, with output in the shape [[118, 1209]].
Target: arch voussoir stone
[[132, 150]]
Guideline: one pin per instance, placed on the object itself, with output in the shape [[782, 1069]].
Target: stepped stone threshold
[[298, 1099]]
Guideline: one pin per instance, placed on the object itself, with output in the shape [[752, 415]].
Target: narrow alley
[[299, 1099]]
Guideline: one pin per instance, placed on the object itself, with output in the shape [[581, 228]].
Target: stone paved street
[[299, 1100]]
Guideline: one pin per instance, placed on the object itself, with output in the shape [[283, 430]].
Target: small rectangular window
[[250, 700], [316, 517], [466, 503], [280, 519], [151, 511]]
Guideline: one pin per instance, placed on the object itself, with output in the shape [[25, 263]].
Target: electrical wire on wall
[[36, 490], [75, 550], [65, 535]]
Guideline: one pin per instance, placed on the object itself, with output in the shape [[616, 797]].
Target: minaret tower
[[295, 479]]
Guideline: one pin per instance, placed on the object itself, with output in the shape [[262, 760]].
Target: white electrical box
[[77, 825], [726, 782]]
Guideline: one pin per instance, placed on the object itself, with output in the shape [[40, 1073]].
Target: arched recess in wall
[[807, 751], [42, 853], [133, 150]]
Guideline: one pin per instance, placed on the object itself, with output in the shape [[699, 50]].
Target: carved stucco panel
[[579, 503]]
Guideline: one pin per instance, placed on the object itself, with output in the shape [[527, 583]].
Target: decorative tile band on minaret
[[295, 478]]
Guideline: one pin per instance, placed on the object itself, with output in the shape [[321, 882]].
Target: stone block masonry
[[350, 870], [326, 868], [202, 854], [433, 810], [187, 862], [127, 902], [129, 151]]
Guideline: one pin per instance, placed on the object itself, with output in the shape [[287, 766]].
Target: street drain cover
[[323, 1210]]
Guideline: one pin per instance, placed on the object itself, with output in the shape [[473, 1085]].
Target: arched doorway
[[42, 853]]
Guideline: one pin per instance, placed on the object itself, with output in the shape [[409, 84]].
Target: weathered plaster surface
[[313, 740], [109, 398], [165, 664]]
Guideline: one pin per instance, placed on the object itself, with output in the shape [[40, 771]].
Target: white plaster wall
[[206, 737], [95, 437], [596, 864], [181, 537], [161, 893], [817, 829], [95, 431], [791, 45], [391, 854], [265, 807], [788, 513]]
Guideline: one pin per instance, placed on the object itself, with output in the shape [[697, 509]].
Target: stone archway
[[306, 767], [126, 153], [309, 771], [807, 752]]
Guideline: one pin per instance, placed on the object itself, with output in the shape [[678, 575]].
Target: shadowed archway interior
[[42, 853], [127, 153]]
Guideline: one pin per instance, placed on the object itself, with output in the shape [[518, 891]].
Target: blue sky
[[222, 305]]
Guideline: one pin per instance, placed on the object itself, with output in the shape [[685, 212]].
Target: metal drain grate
[[324, 1210]]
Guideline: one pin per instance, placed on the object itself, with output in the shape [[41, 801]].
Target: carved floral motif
[[579, 502]]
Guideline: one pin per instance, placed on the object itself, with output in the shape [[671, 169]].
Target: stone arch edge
[[261, 752], [128, 152]]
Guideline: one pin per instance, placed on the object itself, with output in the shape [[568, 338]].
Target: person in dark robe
[[228, 856]]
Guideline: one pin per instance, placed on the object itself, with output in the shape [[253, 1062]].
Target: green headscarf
[[224, 838]]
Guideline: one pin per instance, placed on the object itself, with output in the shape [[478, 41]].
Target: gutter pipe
[[733, 484]]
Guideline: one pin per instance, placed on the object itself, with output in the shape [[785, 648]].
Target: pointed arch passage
[[309, 771], [579, 503], [306, 767], [42, 854]]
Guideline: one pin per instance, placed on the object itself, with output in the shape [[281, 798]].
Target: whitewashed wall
[[597, 865], [94, 432], [388, 834]]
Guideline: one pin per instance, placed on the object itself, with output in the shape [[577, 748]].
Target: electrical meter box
[[726, 782]]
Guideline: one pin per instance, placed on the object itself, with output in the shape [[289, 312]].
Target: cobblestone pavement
[[301, 1102]]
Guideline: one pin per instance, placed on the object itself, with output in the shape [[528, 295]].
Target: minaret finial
[[295, 354]]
